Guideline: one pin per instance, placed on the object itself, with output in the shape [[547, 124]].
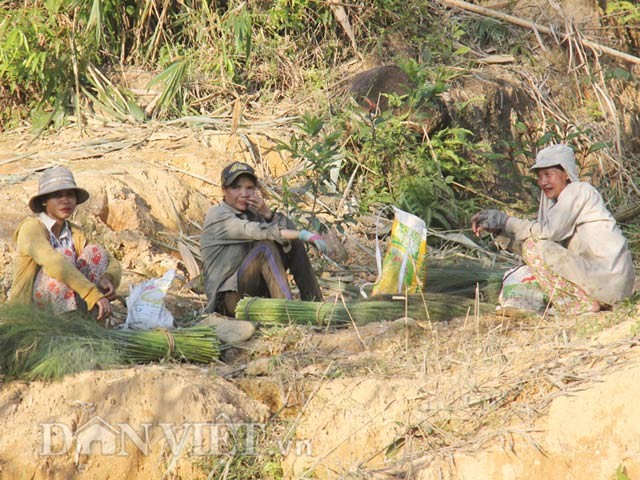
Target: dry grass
[[491, 381], [482, 380]]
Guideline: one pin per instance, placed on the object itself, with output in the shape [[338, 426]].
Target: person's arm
[[258, 205], [562, 217], [230, 228], [32, 241], [110, 279], [492, 221], [223, 226]]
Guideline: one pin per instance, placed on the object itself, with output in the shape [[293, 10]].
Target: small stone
[[228, 329], [214, 319], [235, 331], [402, 323]]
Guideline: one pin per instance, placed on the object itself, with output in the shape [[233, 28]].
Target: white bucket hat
[[54, 180], [558, 155]]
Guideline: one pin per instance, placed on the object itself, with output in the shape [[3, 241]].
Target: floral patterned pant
[[49, 293], [566, 297]]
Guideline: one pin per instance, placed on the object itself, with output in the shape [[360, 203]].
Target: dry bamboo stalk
[[19, 157], [236, 116], [199, 177], [480, 194], [188, 259], [537, 28], [341, 16]]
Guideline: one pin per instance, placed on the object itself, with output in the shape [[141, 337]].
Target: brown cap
[[234, 170], [54, 180]]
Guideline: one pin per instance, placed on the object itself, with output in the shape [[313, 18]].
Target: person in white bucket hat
[[574, 249], [55, 267]]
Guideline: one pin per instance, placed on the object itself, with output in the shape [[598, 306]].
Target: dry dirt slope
[[479, 397], [485, 400], [96, 424]]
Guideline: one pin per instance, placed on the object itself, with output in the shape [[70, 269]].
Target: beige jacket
[[581, 242]]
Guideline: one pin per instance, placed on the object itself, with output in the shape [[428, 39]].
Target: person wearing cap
[[247, 248], [574, 248], [55, 266]]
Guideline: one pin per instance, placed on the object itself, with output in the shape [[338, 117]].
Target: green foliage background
[[58, 59]]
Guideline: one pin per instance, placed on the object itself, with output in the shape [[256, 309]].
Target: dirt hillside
[[477, 397], [130, 423]]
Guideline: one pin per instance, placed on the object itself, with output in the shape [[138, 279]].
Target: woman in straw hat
[[55, 267], [574, 249]]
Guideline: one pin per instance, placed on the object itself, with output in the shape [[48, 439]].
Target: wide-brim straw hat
[[54, 180]]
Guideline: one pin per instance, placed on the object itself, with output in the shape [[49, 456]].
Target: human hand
[[488, 220], [258, 205], [107, 288], [104, 308], [314, 238]]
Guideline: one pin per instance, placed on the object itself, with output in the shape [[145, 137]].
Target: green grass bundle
[[431, 307], [461, 278], [444, 276], [36, 344], [193, 344]]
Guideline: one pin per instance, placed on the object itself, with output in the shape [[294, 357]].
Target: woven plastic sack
[[403, 268], [145, 304], [521, 291]]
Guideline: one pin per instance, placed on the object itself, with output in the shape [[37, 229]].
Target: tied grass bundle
[[431, 307], [461, 278], [36, 344], [194, 344], [445, 277]]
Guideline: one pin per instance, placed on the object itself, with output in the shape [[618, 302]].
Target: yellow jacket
[[33, 250]]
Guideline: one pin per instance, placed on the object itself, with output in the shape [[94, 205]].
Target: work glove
[[317, 240], [489, 220]]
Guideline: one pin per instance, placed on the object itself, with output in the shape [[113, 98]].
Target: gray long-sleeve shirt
[[227, 236], [585, 245]]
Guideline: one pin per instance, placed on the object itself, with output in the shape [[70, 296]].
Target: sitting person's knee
[[267, 246], [533, 248]]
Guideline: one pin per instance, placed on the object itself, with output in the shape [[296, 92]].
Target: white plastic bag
[[145, 304], [521, 291]]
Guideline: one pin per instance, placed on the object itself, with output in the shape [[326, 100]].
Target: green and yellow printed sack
[[403, 270]]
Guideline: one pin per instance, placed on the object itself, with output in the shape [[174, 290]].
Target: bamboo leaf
[[173, 77], [95, 22]]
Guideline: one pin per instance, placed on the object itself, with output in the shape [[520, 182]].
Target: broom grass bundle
[[36, 344], [461, 278], [193, 344], [430, 307], [60, 356], [444, 276]]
